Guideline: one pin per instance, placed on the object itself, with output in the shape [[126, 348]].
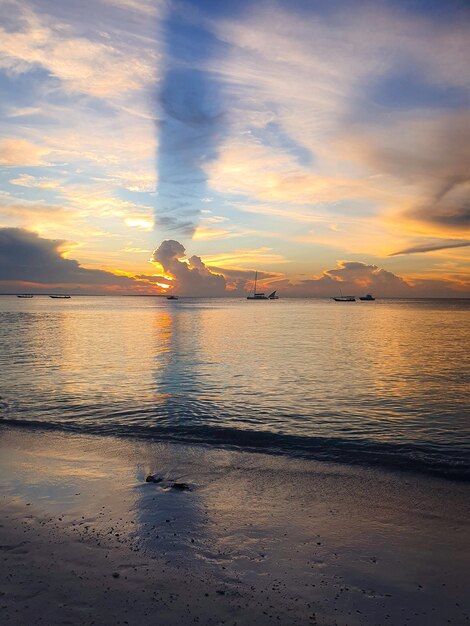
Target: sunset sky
[[149, 145]]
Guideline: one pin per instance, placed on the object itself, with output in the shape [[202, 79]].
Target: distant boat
[[24, 295], [60, 297], [172, 297], [255, 295], [345, 299], [342, 298], [368, 298], [272, 296]]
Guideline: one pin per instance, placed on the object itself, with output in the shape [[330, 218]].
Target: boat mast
[[256, 279]]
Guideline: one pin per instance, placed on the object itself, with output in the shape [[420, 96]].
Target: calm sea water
[[384, 382]]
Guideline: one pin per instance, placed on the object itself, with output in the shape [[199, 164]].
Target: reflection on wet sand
[[298, 533]]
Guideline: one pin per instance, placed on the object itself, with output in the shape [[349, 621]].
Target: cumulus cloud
[[191, 277], [28, 259], [363, 275], [356, 278], [349, 277]]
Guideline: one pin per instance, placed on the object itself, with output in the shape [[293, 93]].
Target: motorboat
[[60, 297], [24, 295], [368, 298], [172, 297]]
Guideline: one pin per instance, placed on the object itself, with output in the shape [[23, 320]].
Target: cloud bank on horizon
[[284, 137], [30, 263]]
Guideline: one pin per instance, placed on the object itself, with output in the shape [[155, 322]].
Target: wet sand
[[257, 538]]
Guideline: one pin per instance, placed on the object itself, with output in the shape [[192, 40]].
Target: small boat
[[368, 298], [257, 295], [24, 295], [345, 299], [272, 296], [60, 297], [342, 298], [172, 297]]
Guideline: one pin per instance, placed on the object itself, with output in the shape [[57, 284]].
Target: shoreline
[[269, 539], [370, 455]]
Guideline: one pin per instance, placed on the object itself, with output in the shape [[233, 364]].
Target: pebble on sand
[[153, 478], [181, 486]]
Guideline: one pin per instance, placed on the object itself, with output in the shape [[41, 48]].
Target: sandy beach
[[256, 539]]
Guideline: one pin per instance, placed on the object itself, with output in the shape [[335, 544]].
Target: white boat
[[257, 295]]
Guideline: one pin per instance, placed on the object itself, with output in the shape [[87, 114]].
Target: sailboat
[[342, 298], [255, 295], [272, 296]]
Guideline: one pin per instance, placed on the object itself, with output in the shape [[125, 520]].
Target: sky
[[157, 146]]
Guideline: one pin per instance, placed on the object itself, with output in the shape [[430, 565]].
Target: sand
[[258, 539]]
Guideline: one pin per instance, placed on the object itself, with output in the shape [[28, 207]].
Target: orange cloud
[[15, 151]]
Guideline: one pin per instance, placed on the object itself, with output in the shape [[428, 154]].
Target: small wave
[[409, 457]]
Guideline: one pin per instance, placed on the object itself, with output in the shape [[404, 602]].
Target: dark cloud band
[[432, 247]]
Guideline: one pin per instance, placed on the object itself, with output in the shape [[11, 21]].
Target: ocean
[[382, 383]]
